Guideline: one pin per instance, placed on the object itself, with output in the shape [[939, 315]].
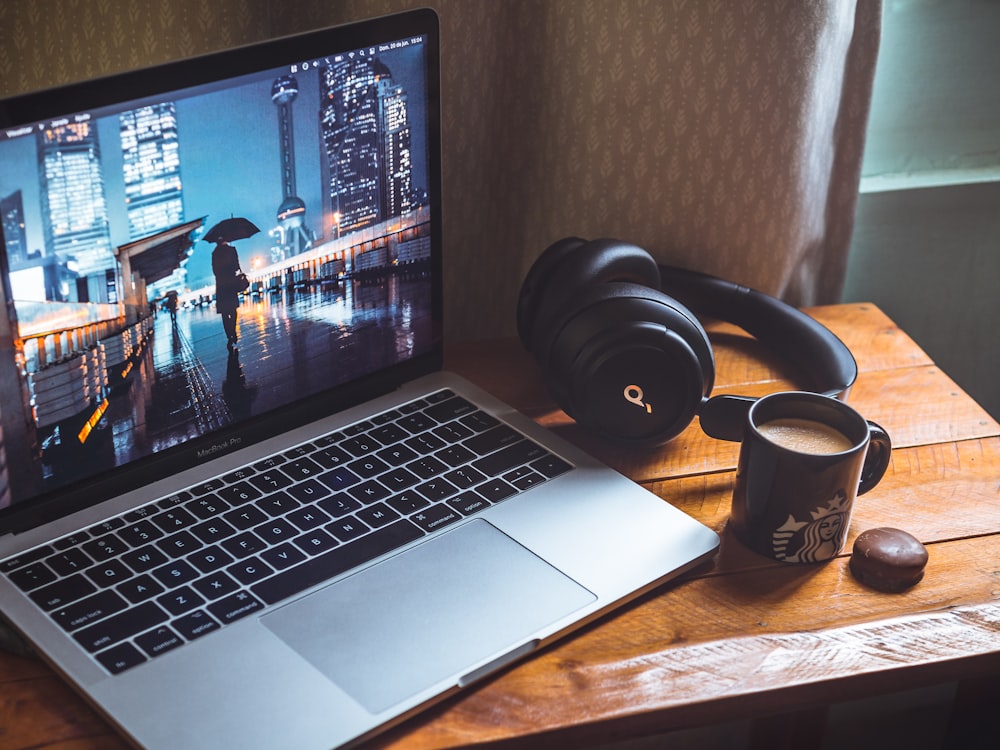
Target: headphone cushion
[[568, 269]]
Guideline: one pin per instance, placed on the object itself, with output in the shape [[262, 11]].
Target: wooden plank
[[917, 406], [43, 712], [936, 492], [735, 646]]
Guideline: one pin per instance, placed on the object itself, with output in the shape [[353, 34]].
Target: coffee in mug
[[805, 436]]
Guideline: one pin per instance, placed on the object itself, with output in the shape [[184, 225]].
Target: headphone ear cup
[[540, 281], [629, 362], [565, 270]]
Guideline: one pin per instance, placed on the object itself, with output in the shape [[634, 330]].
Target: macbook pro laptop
[[297, 531]]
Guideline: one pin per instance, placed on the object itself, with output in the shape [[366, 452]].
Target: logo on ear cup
[[633, 394]]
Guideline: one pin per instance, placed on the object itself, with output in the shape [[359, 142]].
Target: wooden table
[[740, 637]]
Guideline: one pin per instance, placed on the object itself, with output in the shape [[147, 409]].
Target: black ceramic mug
[[804, 459]]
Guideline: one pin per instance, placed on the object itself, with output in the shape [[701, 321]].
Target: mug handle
[[877, 458]]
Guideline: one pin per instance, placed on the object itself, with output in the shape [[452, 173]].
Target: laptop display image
[[232, 469]]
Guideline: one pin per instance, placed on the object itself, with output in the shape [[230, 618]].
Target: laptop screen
[[199, 255]]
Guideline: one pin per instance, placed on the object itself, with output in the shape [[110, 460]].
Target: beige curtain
[[721, 135]]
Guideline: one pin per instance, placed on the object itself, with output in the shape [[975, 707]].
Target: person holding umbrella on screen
[[229, 277]]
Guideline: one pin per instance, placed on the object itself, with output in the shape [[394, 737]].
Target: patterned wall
[[724, 136]]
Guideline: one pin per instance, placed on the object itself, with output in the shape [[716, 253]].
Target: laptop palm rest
[[428, 614]]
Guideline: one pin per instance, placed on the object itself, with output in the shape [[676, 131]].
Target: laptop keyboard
[[148, 581]]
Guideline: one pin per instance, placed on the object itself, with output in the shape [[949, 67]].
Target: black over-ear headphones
[[623, 353]]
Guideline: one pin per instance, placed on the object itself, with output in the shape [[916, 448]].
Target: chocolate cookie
[[888, 559]]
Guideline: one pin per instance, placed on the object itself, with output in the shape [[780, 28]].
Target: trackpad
[[399, 627]]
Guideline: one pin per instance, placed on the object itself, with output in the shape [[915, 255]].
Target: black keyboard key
[[234, 607], [399, 479], [208, 506], [275, 531], [109, 573], [24, 558], [465, 477], [73, 540], [468, 503], [450, 409], [174, 520], [121, 657], [105, 547], [435, 517], [195, 625], [452, 432], [282, 556], [346, 529], [244, 544], [246, 517], [455, 455], [368, 467], [89, 610], [298, 451], [106, 527], [140, 589], [437, 489], [302, 468], [237, 494], [270, 480], [181, 600], [307, 518], [369, 492], [308, 491], [212, 485], [175, 573], [215, 585], [397, 455], [362, 445], [158, 641], [120, 626], [408, 502], [144, 558], [179, 544], [425, 443], [427, 467], [339, 505], [504, 460], [377, 515], [479, 421], [315, 542], [339, 479], [210, 558], [331, 457], [336, 561], [239, 475], [416, 423], [277, 503], [140, 533], [213, 531], [527, 481], [499, 437], [63, 592], [69, 562], [389, 434], [496, 490], [171, 501], [551, 466], [249, 571]]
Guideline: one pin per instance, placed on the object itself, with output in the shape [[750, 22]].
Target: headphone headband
[[820, 356]]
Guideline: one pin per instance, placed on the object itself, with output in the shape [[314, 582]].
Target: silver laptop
[[256, 513]]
